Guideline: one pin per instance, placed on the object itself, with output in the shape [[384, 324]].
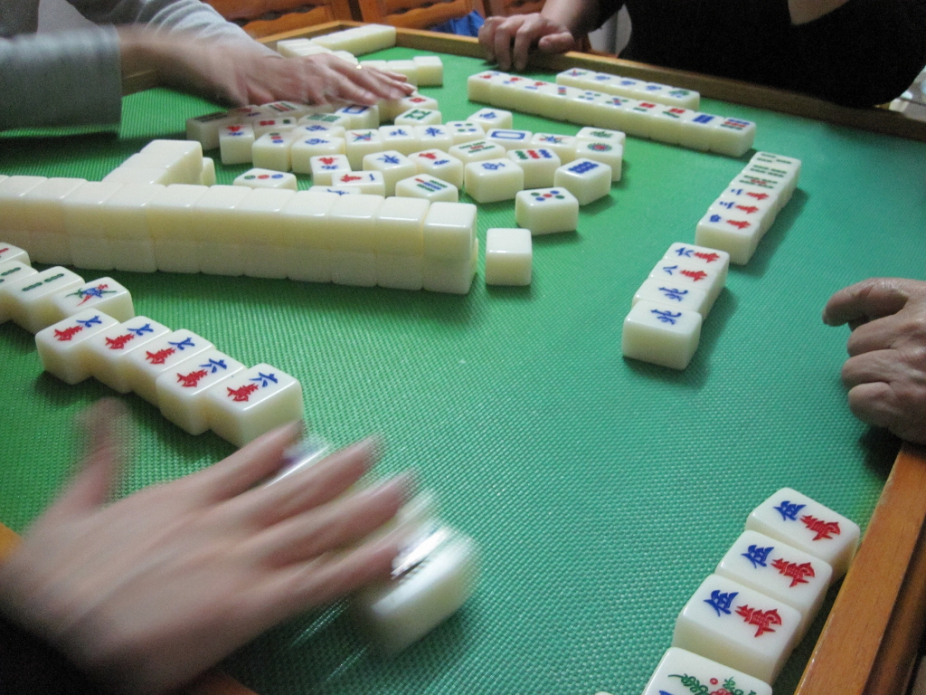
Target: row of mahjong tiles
[[89, 329], [744, 620]]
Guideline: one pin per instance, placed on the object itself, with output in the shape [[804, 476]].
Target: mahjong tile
[[144, 365], [182, 389], [62, 346], [106, 351], [102, 294]]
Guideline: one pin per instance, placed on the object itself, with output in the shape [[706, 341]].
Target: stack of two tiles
[[664, 323], [765, 593], [166, 162], [744, 212]]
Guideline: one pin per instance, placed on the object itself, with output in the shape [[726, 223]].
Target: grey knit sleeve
[[71, 78]]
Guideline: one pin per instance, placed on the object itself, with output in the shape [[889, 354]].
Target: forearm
[[72, 78]]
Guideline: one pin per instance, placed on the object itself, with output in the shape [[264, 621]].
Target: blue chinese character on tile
[[94, 321], [492, 166], [666, 316], [789, 510], [721, 602], [673, 293], [214, 365], [142, 329], [265, 379], [758, 555], [183, 344], [389, 159]]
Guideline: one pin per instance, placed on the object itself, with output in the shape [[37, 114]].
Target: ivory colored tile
[[169, 213], [61, 346], [430, 71], [86, 218], [326, 166], [733, 137], [213, 214], [539, 165], [28, 300], [266, 178], [509, 256], [102, 294], [303, 222], [368, 182], [586, 179], [419, 117], [205, 129], [434, 137], [207, 177], [272, 151], [439, 164], [685, 272], [492, 118], [701, 257], [492, 180], [807, 525], [563, 145], [304, 148], [360, 143], [449, 231], [183, 159], [452, 277], [44, 213], [400, 271], [393, 165], [509, 139], [106, 351], [476, 151], [729, 232], [739, 627], [11, 271], [546, 211], [182, 390], [8, 253], [398, 138], [681, 670], [127, 230], [235, 142], [144, 365], [255, 227], [253, 402], [603, 152], [399, 224], [478, 86], [427, 187], [360, 116], [659, 335], [666, 293]]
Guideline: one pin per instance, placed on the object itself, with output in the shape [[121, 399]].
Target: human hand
[[146, 593], [509, 40], [241, 74], [886, 369]]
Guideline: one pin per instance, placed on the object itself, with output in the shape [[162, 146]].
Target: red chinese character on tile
[[159, 357], [67, 333], [823, 529], [695, 275], [797, 572], [119, 342], [761, 619], [192, 379], [240, 395]]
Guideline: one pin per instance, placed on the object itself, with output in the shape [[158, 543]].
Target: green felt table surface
[[601, 491]]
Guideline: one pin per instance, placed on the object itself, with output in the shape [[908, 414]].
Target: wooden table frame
[[871, 638]]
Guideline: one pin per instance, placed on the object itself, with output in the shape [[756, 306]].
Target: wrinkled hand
[[148, 592], [886, 369], [509, 40], [241, 74]]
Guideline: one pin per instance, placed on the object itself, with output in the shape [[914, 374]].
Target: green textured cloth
[[601, 491]]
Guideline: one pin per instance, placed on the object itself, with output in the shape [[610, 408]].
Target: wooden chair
[[414, 14], [265, 17]]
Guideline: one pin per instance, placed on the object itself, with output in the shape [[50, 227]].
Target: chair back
[[265, 17], [413, 14]]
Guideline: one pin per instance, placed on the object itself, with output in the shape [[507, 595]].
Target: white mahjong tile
[[325, 166], [129, 237], [212, 215], [11, 271], [360, 116], [503, 93], [235, 143], [133, 171], [352, 234], [509, 139], [182, 389], [337, 190], [696, 130], [586, 108], [14, 221], [608, 153], [144, 365], [733, 137], [476, 151], [307, 146], [205, 129], [28, 300], [273, 125], [303, 222], [266, 178], [414, 101], [393, 165], [400, 271], [779, 570], [321, 130], [464, 131], [662, 292], [416, 117], [808, 525], [8, 252], [686, 98], [546, 210], [253, 402], [272, 151], [255, 228], [682, 671], [586, 179], [288, 109], [731, 232], [563, 145], [528, 97], [551, 100], [360, 143], [748, 194], [691, 273], [106, 351], [331, 120], [169, 213], [701, 256], [625, 87], [509, 256], [737, 626], [615, 111], [762, 213], [449, 231], [86, 219], [102, 294], [405, 67], [661, 335], [492, 118], [667, 124], [773, 167], [207, 177], [430, 188], [575, 77], [613, 137], [493, 180], [478, 86], [44, 209], [430, 71], [452, 277], [638, 118], [772, 185], [399, 226], [62, 346], [398, 138], [183, 159], [368, 182], [439, 164], [431, 137]]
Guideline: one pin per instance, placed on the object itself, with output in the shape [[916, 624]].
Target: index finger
[[870, 299]]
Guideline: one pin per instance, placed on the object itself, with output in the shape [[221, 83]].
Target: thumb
[[107, 432]]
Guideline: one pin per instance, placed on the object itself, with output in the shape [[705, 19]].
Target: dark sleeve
[[29, 666], [863, 53]]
